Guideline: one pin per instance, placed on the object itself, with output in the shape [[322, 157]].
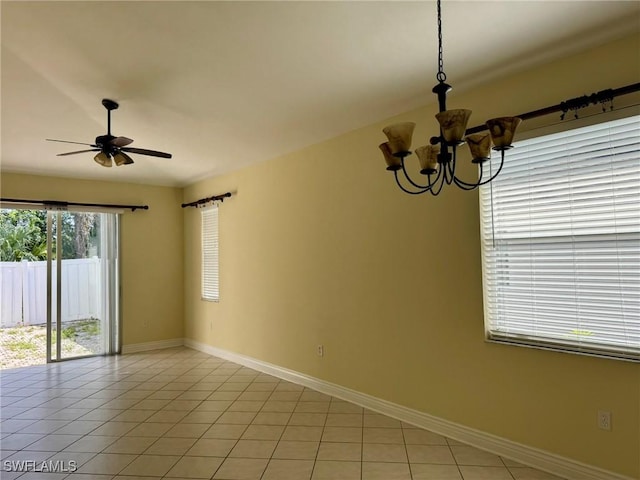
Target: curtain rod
[[214, 198], [63, 204], [572, 104]]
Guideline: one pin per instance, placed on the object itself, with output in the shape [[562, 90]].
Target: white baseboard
[[144, 347], [536, 458]]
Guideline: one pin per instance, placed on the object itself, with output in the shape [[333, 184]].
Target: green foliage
[[89, 327], [69, 332], [23, 235], [20, 345]]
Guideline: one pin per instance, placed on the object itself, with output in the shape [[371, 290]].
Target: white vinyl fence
[[23, 289]]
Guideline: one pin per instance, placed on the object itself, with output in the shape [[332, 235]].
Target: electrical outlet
[[604, 420], [320, 350]]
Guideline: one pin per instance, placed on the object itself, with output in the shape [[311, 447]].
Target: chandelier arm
[[484, 182], [470, 186], [465, 185], [406, 175], [445, 169], [437, 179], [435, 192], [395, 174]]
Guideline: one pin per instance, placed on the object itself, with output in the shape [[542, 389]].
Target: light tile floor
[[182, 414]]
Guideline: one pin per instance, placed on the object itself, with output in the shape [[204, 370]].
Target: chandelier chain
[[440, 76]]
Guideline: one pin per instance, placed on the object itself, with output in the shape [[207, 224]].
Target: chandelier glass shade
[[437, 160]]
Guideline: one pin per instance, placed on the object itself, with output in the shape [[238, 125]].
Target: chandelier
[[438, 159]]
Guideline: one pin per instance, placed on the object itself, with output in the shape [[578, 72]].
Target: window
[[561, 242], [210, 280]]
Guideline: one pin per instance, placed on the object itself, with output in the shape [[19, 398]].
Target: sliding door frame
[[113, 301]]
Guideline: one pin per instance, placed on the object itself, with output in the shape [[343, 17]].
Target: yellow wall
[[152, 247], [319, 247]]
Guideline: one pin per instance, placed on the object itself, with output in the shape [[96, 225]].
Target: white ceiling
[[221, 85]]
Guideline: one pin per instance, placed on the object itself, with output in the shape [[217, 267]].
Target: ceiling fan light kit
[[122, 158], [438, 159], [112, 149], [103, 159]]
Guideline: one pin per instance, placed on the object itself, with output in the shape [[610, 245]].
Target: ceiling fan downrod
[[109, 105]]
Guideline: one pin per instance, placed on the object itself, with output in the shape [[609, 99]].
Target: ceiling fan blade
[[121, 141], [65, 141], [79, 151], [142, 151]]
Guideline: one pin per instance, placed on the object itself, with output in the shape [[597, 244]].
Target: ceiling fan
[[112, 149]]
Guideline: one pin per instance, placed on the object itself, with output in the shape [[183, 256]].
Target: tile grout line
[[116, 385]]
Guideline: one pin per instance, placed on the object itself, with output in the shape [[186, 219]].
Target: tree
[[84, 227], [23, 235]]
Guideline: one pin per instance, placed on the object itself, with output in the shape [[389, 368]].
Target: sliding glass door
[[82, 284], [59, 285]]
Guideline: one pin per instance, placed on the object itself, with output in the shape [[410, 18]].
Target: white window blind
[[210, 252], [561, 242]]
